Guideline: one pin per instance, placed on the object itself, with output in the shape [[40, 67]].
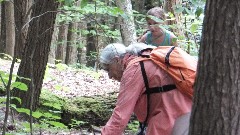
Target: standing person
[[157, 35], [164, 108]]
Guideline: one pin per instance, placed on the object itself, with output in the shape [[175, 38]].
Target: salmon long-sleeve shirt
[[165, 107]]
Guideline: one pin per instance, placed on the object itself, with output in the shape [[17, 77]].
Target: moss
[[48, 96], [93, 110]]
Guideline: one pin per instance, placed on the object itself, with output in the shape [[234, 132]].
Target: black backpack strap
[[141, 52], [149, 91], [168, 55], [143, 125], [164, 88]]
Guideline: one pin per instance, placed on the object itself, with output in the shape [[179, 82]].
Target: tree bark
[[52, 53], [139, 6], [216, 99], [3, 29], [71, 51], [10, 28], [127, 26], [81, 43], [91, 47], [39, 38], [21, 14], [62, 42]]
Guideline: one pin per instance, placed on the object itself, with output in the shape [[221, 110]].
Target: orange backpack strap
[[142, 55], [138, 59]]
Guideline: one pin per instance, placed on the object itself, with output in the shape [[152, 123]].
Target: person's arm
[[142, 38], [131, 88]]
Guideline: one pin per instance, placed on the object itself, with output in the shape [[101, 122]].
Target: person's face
[[114, 70], [153, 26]]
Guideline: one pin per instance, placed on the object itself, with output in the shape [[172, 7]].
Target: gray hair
[[119, 50]]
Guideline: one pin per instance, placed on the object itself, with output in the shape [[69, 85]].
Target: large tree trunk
[[37, 45], [10, 28], [3, 29], [216, 100], [127, 26], [21, 14]]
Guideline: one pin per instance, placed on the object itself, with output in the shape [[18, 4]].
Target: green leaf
[[55, 105], [154, 18], [68, 2], [2, 99], [56, 117], [13, 106], [37, 114], [174, 40], [83, 3], [23, 110], [199, 11], [57, 124], [47, 115], [20, 86], [115, 11], [189, 12], [194, 27], [18, 99]]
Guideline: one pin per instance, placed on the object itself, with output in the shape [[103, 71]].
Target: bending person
[[164, 108]]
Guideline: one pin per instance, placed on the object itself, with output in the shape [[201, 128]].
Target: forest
[[51, 81]]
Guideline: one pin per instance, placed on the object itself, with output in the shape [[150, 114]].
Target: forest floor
[[70, 82]]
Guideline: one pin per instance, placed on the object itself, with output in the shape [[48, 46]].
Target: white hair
[[119, 50]]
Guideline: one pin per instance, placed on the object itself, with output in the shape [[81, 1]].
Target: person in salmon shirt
[[164, 107], [156, 34]]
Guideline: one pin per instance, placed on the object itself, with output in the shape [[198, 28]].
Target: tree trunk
[[39, 38], [71, 51], [52, 53], [21, 14], [139, 6], [91, 47], [10, 28], [81, 43], [216, 100], [3, 29], [62, 42], [127, 29]]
